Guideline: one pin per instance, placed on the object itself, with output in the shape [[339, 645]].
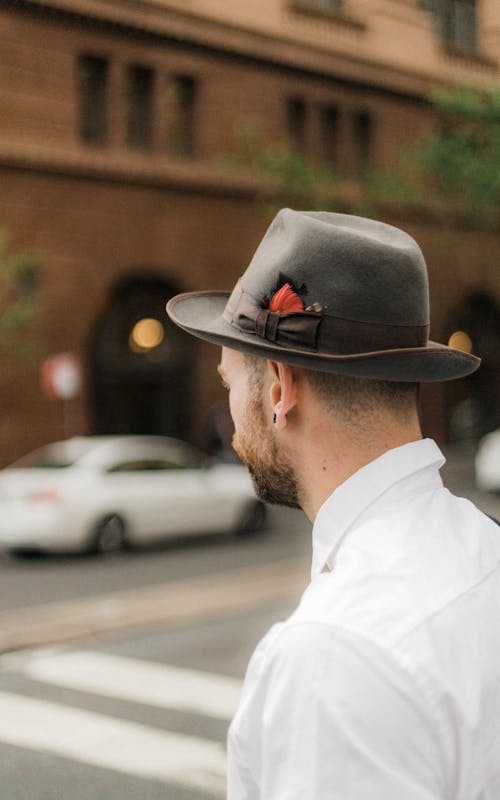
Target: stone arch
[[140, 390]]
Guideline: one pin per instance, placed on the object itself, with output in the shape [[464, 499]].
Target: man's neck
[[331, 457]]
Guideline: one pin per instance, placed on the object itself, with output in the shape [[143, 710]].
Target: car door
[[161, 495], [229, 493], [184, 498]]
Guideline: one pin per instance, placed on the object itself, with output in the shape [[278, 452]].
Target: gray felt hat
[[330, 292]]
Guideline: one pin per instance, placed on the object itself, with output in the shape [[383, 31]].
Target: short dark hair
[[348, 395], [351, 396]]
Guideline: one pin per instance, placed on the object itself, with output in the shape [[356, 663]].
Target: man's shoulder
[[399, 568], [319, 654]]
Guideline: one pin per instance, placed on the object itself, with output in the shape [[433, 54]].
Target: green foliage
[[398, 187], [457, 166], [18, 271], [287, 178], [462, 157]]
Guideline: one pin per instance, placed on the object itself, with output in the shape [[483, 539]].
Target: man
[[385, 681]]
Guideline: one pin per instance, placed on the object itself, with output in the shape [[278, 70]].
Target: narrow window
[[464, 32], [329, 135], [296, 123], [139, 107], [327, 4], [456, 22], [363, 142], [182, 96], [92, 76]]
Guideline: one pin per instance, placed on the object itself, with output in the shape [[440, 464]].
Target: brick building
[[116, 117]]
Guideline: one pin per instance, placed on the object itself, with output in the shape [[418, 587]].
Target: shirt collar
[[362, 489]]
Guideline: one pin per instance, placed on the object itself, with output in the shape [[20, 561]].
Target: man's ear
[[283, 392]]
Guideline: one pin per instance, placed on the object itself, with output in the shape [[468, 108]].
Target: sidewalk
[[183, 602]]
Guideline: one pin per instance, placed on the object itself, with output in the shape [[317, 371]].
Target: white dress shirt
[[385, 681]]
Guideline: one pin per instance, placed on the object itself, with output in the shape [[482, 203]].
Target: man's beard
[[272, 473]]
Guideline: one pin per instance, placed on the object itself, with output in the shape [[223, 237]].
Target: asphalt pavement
[[31, 581], [47, 600], [139, 716]]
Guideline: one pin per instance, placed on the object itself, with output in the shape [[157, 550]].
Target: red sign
[[61, 376]]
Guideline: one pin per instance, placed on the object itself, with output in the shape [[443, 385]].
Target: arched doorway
[[141, 363], [473, 403]]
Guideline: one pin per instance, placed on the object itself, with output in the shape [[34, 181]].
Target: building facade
[[116, 125]]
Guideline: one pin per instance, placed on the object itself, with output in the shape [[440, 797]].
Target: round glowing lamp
[[460, 340], [146, 334]]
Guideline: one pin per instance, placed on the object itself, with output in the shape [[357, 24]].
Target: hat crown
[[354, 268]]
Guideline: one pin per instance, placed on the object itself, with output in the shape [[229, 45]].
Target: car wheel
[[253, 519], [109, 535]]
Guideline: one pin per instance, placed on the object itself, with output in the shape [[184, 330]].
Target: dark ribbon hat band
[[312, 331]]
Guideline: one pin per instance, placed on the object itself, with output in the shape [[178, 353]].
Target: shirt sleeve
[[334, 716]]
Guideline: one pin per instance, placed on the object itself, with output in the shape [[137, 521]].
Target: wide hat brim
[[200, 314]]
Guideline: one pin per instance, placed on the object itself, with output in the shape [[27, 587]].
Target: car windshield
[[55, 456]]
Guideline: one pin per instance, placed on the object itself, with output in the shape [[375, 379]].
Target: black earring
[[274, 419]]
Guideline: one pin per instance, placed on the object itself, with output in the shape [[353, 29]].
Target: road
[[136, 661], [34, 580], [142, 717], [136, 708]]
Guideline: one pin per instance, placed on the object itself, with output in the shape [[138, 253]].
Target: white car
[[488, 462], [99, 493]]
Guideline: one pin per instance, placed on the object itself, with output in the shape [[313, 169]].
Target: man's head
[[336, 308]]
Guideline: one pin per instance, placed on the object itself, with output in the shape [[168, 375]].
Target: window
[[181, 111], [296, 123], [329, 134], [139, 107], [92, 76], [146, 465], [335, 12], [456, 22], [363, 142], [327, 4]]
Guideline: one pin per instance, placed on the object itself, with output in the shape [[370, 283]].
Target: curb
[[184, 602]]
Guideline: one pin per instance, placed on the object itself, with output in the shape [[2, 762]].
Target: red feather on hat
[[285, 301]]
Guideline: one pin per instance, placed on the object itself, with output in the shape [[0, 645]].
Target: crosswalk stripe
[[137, 681], [106, 742]]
